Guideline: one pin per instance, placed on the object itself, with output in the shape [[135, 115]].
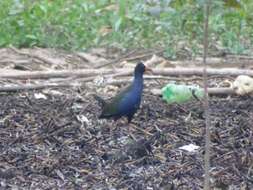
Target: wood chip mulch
[[59, 143]]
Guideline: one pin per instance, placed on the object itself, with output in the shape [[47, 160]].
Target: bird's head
[[140, 68]]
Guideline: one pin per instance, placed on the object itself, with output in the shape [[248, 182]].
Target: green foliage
[[81, 24]]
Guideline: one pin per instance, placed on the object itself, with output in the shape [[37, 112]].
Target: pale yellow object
[[243, 84]]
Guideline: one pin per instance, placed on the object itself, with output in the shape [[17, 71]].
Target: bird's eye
[[246, 84]]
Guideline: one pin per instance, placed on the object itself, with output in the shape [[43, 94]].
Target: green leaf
[[117, 24], [31, 37], [43, 8]]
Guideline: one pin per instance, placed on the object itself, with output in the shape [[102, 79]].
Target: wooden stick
[[206, 101], [199, 71], [213, 62], [52, 74], [13, 74], [44, 59], [18, 88], [211, 91], [128, 57], [158, 92]]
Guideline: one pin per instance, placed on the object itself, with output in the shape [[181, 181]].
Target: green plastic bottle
[[176, 93]]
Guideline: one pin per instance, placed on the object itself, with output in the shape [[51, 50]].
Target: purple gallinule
[[127, 102]]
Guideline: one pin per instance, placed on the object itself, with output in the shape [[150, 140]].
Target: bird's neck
[[138, 82]]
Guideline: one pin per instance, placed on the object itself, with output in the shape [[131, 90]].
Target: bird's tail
[[100, 100]]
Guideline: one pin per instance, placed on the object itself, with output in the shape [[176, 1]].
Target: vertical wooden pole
[[206, 100]]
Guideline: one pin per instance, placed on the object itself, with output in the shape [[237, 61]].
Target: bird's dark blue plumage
[[127, 102]]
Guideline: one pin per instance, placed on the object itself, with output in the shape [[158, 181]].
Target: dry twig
[[120, 72]]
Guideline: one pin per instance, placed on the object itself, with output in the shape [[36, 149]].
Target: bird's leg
[[128, 129], [129, 119], [114, 128]]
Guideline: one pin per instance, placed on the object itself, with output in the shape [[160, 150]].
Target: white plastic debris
[[55, 92], [189, 148], [243, 84], [77, 106], [40, 96], [83, 119], [99, 80]]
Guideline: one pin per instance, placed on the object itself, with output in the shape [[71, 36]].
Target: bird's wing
[[112, 108]]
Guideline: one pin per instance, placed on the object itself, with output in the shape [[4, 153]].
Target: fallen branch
[[47, 60], [211, 91], [158, 92], [236, 61], [129, 57], [120, 72], [33, 87], [53, 74], [247, 57], [199, 71], [91, 59]]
